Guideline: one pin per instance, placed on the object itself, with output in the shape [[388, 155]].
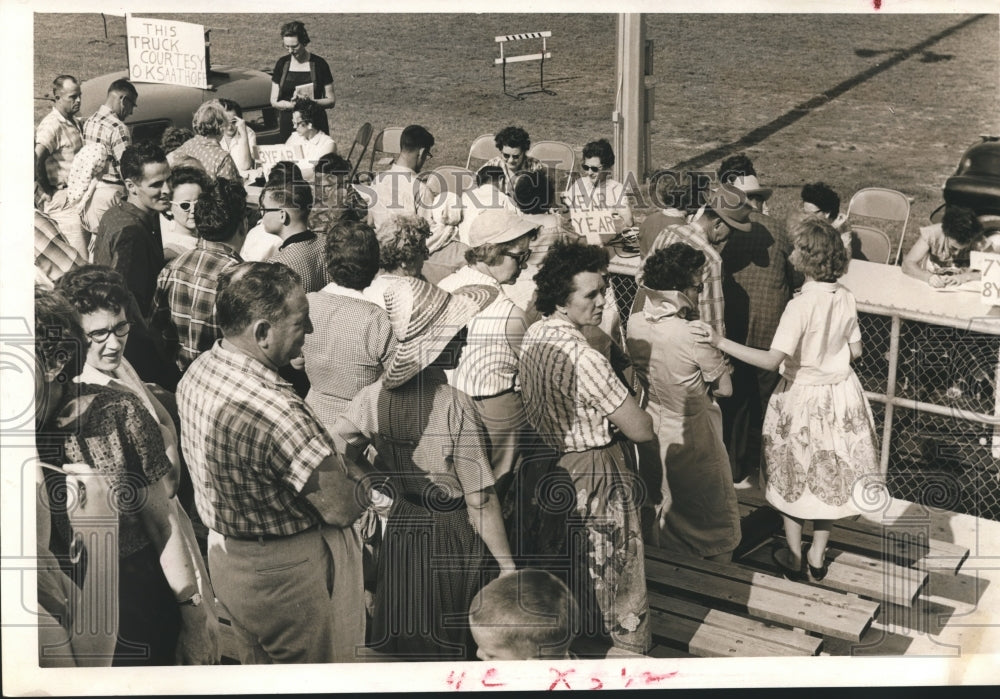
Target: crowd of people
[[392, 418]]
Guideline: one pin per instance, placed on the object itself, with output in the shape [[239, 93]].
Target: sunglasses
[[293, 49], [120, 330], [591, 168], [521, 257], [267, 209], [183, 205], [510, 156], [700, 287]]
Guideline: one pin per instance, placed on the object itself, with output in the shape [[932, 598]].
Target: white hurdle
[[540, 56]]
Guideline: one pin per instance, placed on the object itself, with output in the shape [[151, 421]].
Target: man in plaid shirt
[[54, 256], [184, 303], [107, 127], [277, 497]]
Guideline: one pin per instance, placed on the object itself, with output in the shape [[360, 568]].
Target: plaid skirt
[[431, 564]]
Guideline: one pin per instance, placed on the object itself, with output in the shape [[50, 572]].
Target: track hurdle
[[540, 56]]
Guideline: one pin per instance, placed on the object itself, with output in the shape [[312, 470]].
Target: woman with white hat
[[432, 459], [487, 372]]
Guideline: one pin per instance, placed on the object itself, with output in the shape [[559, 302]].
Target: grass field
[[854, 100]]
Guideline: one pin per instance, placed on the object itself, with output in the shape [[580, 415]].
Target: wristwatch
[[193, 601]]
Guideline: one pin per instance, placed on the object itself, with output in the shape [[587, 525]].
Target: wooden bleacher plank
[[805, 611], [937, 554], [707, 641], [785, 641], [904, 545], [735, 572], [860, 575]]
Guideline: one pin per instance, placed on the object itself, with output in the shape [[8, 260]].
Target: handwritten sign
[[596, 226], [267, 156], [165, 51], [988, 264]]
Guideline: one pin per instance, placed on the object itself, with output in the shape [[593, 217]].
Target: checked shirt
[[105, 128], [250, 443], [711, 304], [184, 302]]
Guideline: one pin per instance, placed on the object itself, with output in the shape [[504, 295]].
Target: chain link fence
[[939, 460]]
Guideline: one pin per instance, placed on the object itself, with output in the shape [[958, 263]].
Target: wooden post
[[631, 134]]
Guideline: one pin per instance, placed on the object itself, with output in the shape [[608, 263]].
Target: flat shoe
[[790, 573], [815, 573]]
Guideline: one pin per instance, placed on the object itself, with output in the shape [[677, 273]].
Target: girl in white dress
[[819, 433]]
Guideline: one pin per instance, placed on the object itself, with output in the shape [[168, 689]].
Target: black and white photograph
[[461, 347]]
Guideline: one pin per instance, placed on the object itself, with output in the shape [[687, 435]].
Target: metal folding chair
[[884, 209], [557, 157], [386, 143], [875, 245], [362, 139], [483, 148]]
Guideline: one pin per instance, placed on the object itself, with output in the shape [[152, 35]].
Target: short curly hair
[[734, 167], [961, 224], [822, 196], [402, 241], [512, 137], [819, 251], [309, 111], [183, 174], [92, 288], [602, 149], [673, 268], [532, 192], [219, 212], [60, 343], [352, 254], [174, 137], [209, 119], [564, 261], [297, 29]]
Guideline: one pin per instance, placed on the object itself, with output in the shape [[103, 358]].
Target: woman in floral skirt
[[819, 433]]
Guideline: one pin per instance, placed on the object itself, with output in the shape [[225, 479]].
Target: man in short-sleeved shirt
[[269, 484], [59, 135], [107, 125]]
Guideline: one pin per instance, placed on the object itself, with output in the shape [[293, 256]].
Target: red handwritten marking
[[489, 676], [651, 678], [599, 685], [561, 678], [457, 681], [877, 4]]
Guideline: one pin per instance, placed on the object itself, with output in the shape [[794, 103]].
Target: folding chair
[[884, 209], [875, 245], [387, 143], [363, 138], [483, 148], [556, 156]]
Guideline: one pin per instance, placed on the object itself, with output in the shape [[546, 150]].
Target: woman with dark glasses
[[177, 226], [513, 143], [593, 191]]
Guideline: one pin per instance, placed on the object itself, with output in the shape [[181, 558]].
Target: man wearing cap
[[709, 229], [757, 283], [277, 497], [487, 372]]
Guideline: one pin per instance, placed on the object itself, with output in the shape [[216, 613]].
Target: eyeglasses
[[267, 209], [510, 156], [700, 287], [521, 257], [591, 168], [184, 205], [120, 330]]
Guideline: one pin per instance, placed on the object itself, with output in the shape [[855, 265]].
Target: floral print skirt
[[576, 515], [820, 448]]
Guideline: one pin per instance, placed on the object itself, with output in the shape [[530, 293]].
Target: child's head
[[961, 227], [528, 614], [819, 251]]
